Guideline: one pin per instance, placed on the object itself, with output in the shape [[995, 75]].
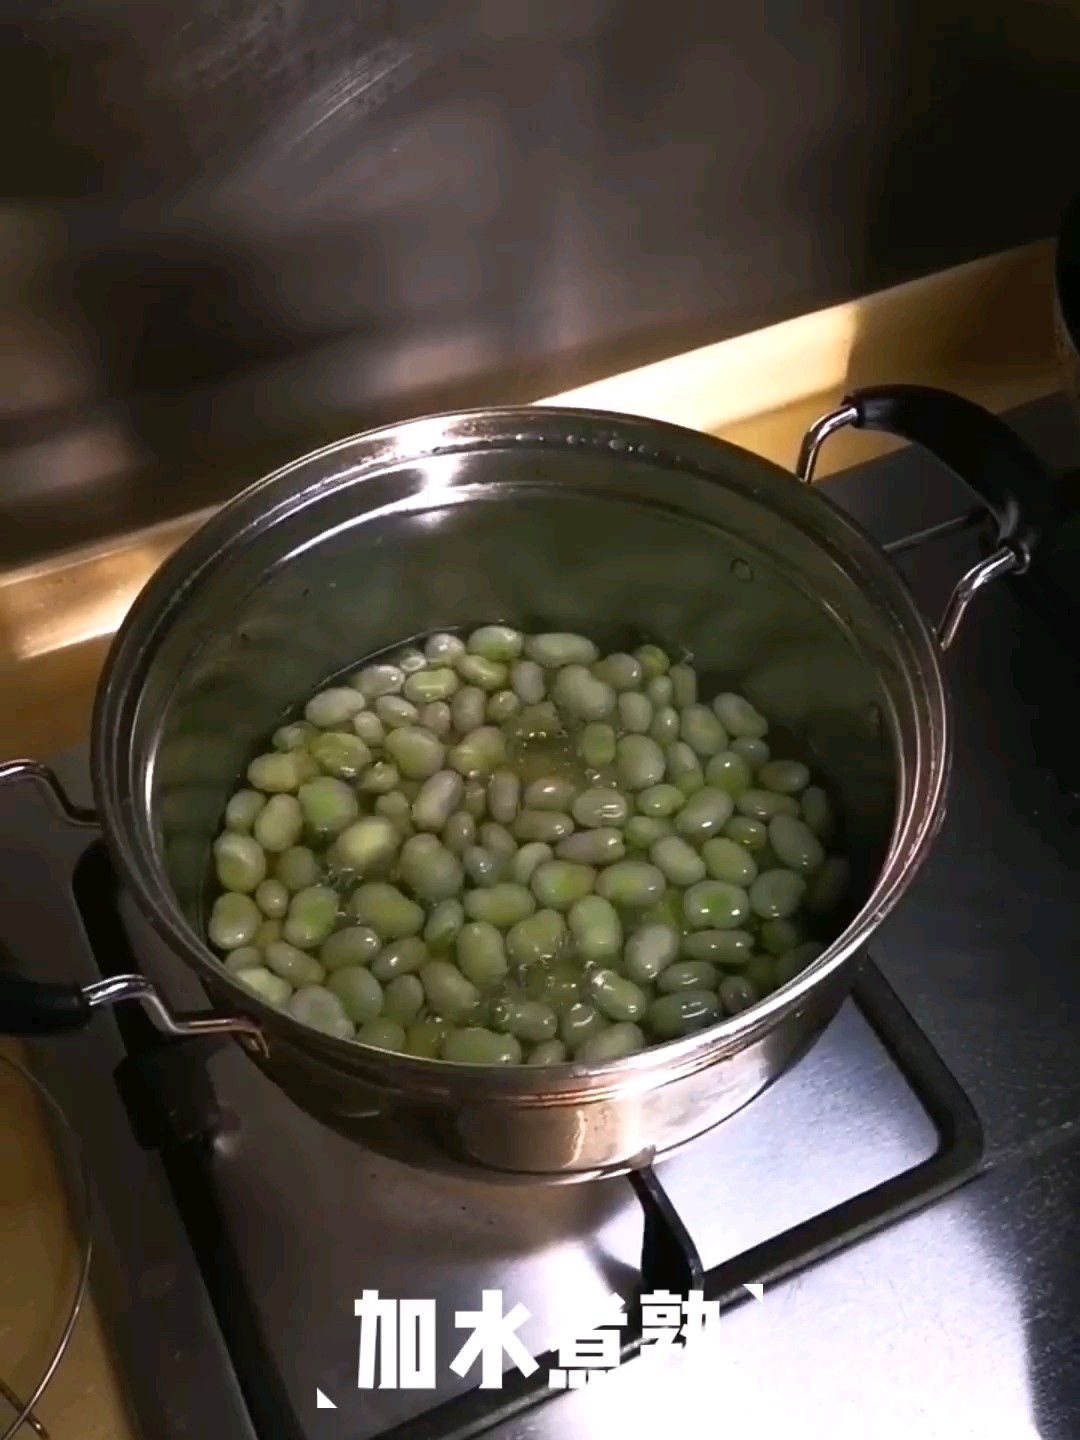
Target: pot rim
[[482, 427]]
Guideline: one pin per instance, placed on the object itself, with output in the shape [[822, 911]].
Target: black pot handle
[[1000, 469], [31, 1007]]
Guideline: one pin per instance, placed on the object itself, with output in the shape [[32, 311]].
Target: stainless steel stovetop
[[233, 1241]]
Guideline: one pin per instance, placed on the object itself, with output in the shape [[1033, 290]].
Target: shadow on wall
[[280, 221]]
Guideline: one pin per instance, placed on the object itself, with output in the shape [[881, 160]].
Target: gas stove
[[885, 1237]]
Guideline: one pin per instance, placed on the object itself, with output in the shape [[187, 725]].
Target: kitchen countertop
[[56, 620]]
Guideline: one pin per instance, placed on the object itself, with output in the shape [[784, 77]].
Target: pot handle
[[30, 1008], [980, 449]]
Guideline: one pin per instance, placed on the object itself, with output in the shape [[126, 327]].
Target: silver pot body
[[622, 528]]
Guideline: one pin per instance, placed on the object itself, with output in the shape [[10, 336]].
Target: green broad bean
[[431, 872], [786, 777], [649, 951], [617, 997], [382, 907], [614, 1043], [639, 762], [459, 832], [559, 884], [427, 686], [265, 984], [545, 825], [435, 716], [524, 864], [328, 805], [829, 886], [481, 954], [443, 925], [417, 753], [733, 948], [580, 1022], [619, 670], [688, 975], [468, 709], [737, 993], [448, 992], [481, 752], [234, 919], [410, 660], [355, 945], [538, 722], [292, 964], [382, 1034], [715, 905], [796, 961], [551, 792], [765, 805], [643, 831], [293, 737], [396, 808], [754, 752], [558, 984], [496, 642], [539, 937], [267, 933], [247, 957], [443, 648], [280, 823], [498, 841], [333, 707], [297, 867], [776, 894], [548, 1052], [381, 779], [473, 1045], [684, 686], [367, 844], [664, 726], [576, 691], [400, 957], [557, 648], [439, 797], [596, 745], [369, 728], [659, 801], [730, 772], [345, 757], [592, 847], [779, 936], [631, 884], [481, 866], [527, 681], [751, 834], [761, 972], [670, 1017], [600, 807], [315, 1006], [242, 809], [502, 905], [484, 674], [281, 774], [701, 730], [424, 1038], [501, 707], [795, 844], [312, 915], [739, 717], [240, 862], [634, 712], [653, 661], [683, 768], [597, 930], [272, 898], [660, 691], [359, 991], [504, 797], [814, 804], [679, 861], [726, 859], [530, 1020], [705, 813], [374, 681]]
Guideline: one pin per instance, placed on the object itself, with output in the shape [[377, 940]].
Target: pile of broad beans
[[507, 848]]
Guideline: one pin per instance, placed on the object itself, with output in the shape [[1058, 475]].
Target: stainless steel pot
[[617, 526]]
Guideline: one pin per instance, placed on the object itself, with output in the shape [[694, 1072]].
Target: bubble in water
[[741, 570], [616, 444]]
